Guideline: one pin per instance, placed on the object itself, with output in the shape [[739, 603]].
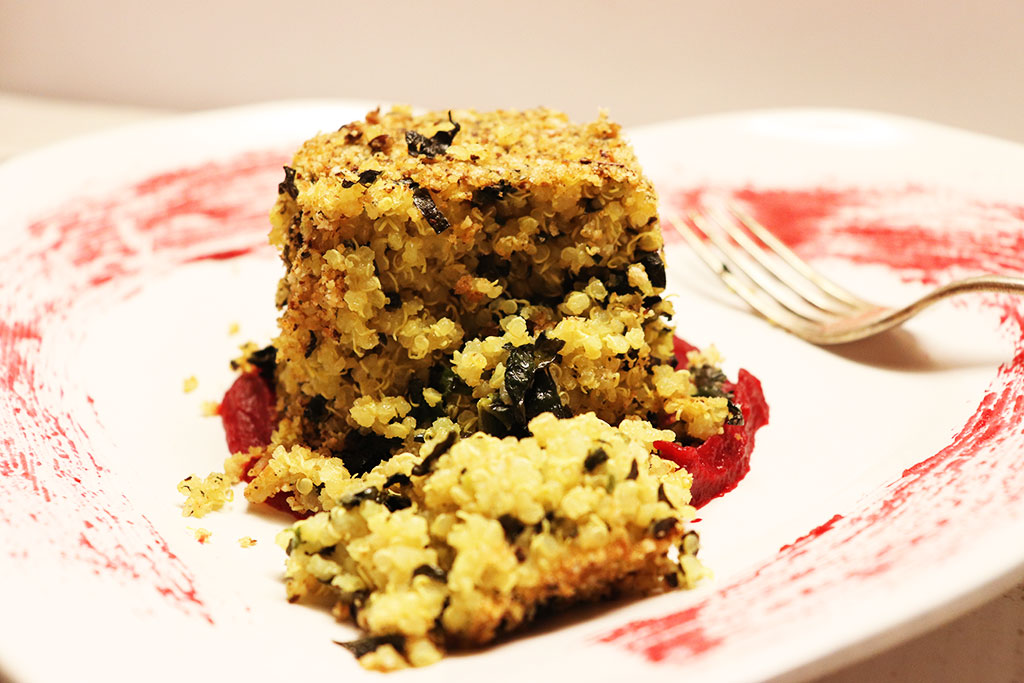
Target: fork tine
[[797, 279], [759, 300], [742, 264], [721, 246], [795, 262]]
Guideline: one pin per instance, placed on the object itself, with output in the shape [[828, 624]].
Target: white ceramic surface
[[110, 301]]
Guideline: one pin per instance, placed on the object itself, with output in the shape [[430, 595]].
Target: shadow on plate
[[894, 349], [550, 620], [898, 349]]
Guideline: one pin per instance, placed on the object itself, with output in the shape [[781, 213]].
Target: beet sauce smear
[[717, 465], [248, 413]]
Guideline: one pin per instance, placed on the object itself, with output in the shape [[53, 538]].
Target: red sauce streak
[[55, 484], [811, 535], [907, 228], [223, 255], [674, 635]]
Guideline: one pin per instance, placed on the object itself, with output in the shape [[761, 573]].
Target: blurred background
[[72, 66], [957, 63]]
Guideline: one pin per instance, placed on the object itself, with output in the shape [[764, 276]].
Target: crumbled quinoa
[[202, 535], [491, 530], [205, 495]]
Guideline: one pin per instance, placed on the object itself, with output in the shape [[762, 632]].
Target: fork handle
[[980, 283]]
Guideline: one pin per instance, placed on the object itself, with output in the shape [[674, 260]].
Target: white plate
[[885, 495]]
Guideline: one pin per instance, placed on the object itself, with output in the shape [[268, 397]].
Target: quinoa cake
[[474, 364], [472, 537], [429, 257]]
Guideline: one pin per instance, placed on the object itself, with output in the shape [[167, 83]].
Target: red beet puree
[[719, 463], [248, 413]]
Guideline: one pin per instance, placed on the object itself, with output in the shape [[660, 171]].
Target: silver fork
[[791, 294]]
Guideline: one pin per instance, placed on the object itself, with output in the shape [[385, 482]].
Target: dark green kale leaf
[[365, 646], [431, 572], [735, 414], [422, 200], [546, 349], [444, 379], [519, 372], [708, 380], [353, 500], [634, 471], [315, 411], [543, 397], [427, 464], [389, 499], [655, 267], [527, 382], [445, 382], [366, 179], [397, 478], [511, 526], [529, 389], [420, 145], [311, 344], [498, 419], [265, 360], [615, 280], [595, 458], [287, 186], [362, 452], [395, 501], [662, 527], [486, 196]]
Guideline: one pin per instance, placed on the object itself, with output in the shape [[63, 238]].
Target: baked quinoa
[[472, 537], [473, 366], [480, 267]]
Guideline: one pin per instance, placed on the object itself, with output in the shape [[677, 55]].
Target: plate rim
[[960, 603]]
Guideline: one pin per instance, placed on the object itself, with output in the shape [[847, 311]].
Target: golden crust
[[525, 148]]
